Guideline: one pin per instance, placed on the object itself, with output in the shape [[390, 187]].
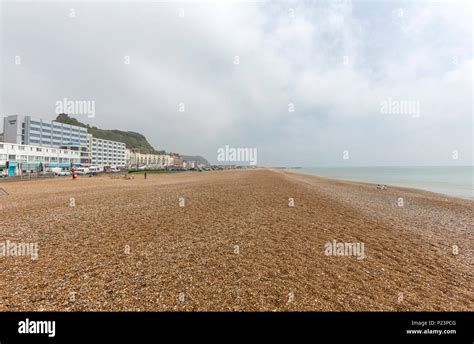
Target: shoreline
[[420, 188], [233, 244]]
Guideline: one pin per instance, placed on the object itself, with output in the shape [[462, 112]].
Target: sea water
[[450, 180]]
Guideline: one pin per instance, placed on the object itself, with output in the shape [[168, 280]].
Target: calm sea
[[454, 181]]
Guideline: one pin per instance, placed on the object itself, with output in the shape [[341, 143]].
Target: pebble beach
[[249, 240]]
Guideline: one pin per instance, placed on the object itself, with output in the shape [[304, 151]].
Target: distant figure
[[145, 175]]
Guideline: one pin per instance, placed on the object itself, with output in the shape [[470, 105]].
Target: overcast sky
[[337, 62]]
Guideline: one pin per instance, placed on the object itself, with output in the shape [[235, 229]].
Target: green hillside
[[134, 141]]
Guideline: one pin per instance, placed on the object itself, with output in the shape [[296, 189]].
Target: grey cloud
[[282, 60]]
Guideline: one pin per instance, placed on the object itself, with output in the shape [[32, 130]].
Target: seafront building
[[107, 152], [177, 160], [190, 164], [17, 158], [32, 144], [32, 131], [140, 160], [164, 160], [85, 154], [28, 130], [135, 160]]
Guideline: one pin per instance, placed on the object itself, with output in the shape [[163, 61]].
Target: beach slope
[[233, 240]]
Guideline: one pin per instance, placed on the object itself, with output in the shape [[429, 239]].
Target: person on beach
[[145, 175]]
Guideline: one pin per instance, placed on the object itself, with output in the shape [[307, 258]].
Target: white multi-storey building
[[135, 159], [18, 158], [106, 152], [29, 130], [188, 164]]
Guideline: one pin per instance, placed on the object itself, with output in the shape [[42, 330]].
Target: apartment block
[[107, 152], [135, 159], [28, 130], [18, 158]]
